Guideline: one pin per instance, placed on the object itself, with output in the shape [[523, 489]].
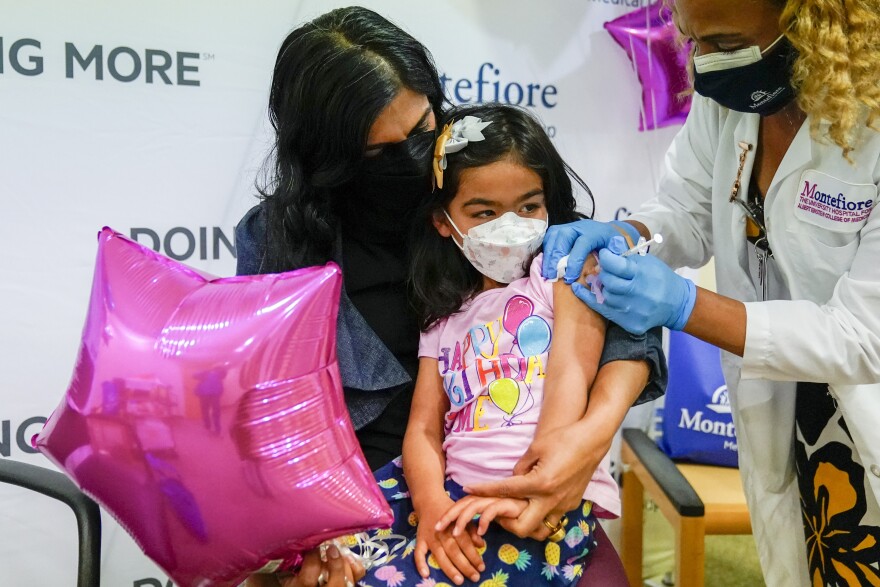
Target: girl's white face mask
[[500, 248]]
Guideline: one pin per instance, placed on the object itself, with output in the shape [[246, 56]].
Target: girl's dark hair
[[332, 78], [441, 279]]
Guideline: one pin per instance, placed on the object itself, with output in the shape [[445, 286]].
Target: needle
[[658, 238]]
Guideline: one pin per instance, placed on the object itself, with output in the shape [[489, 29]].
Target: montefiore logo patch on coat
[[833, 204]]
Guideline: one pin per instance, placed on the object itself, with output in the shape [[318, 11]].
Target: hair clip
[[455, 137]]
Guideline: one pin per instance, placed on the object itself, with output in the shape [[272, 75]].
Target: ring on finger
[[557, 531], [322, 578]]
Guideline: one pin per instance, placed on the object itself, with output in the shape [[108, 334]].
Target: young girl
[[505, 357]]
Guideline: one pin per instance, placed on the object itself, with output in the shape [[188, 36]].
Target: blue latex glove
[[641, 292], [577, 240]]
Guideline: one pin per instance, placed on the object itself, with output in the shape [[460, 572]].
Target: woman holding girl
[[506, 358], [354, 102]]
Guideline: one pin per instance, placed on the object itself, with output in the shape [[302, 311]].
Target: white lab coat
[[829, 332]]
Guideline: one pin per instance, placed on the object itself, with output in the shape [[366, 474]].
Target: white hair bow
[[455, 137]]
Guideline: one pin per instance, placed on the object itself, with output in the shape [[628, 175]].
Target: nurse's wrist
[[686, 307], [719, 320]]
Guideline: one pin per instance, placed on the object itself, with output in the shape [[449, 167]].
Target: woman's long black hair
[[332, 78], [441, 279]]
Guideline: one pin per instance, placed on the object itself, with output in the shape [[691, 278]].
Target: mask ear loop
[[461, 247], [773, 44]]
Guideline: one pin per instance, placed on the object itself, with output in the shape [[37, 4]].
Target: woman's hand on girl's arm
[[557, 467], [488, 508]]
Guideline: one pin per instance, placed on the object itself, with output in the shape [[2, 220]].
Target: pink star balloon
[[649, 38], [207, 415]]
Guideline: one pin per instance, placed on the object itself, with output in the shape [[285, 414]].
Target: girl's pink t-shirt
[[492, 357]]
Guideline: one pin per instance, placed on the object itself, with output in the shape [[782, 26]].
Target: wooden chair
[[88, 516], [695, 499]]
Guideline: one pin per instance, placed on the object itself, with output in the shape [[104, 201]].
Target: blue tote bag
[[697, 424]]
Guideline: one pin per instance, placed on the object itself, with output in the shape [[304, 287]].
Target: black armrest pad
[[677, 489]]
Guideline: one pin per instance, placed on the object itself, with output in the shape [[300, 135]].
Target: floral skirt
[[841, 517], [510, 561]]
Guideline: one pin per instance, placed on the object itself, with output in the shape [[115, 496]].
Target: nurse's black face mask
[[748, 80]]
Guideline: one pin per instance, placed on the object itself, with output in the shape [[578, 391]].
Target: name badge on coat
[[833, 204]]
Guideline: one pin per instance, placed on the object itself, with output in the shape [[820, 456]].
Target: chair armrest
[[674, 485], [88, 516]]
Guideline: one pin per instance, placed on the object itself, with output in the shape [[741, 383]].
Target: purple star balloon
[[649, 38], [207, 415]]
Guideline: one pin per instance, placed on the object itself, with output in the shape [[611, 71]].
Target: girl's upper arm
[[423, 459], [578, 331], [429, 404]]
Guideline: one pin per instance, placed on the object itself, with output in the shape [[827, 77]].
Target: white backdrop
[[151, 118]]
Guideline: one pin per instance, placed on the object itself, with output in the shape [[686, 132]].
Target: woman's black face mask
[[399, 176], [410, 157], [385, 191]]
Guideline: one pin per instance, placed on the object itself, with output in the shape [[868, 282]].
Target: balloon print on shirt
[[518, 308], [533, 336], [531, 333], [504, 394]]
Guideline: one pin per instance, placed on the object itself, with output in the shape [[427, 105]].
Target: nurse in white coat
[[776, 174]]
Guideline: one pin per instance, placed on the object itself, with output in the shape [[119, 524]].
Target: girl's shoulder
[[429, 340], [436, 327], [532, 287], [535, 286]]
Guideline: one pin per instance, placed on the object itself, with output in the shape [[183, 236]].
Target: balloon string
[[528, 404], [642, 113], [651, 144], [650, 66], [374, 551]]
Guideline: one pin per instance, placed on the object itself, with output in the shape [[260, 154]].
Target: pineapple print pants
[[510, 561]]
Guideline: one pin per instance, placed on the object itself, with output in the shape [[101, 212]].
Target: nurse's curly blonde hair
[[837, 72]]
